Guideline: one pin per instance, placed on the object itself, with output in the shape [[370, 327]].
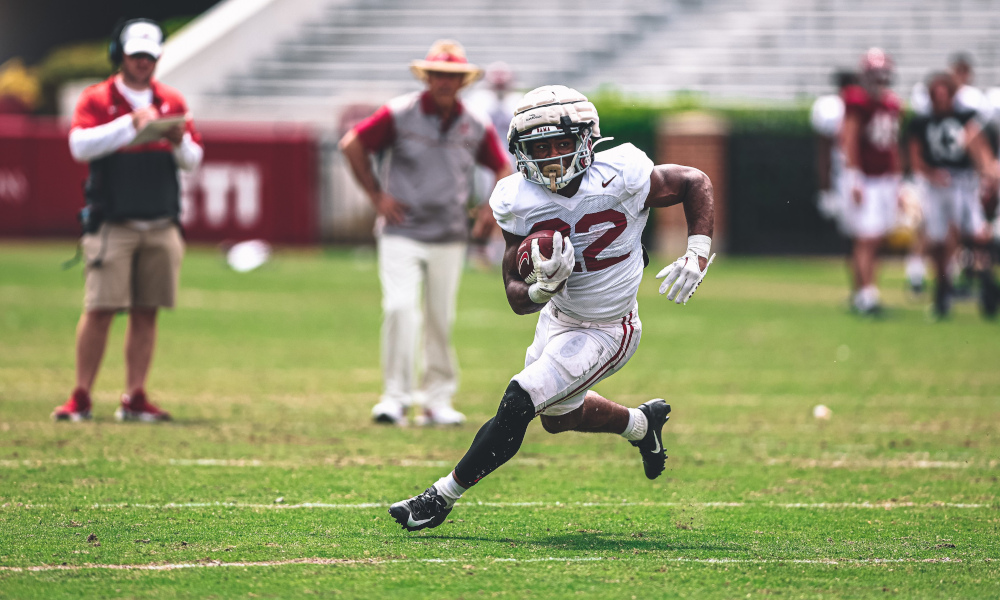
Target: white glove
[[549, 274], [685, 275]]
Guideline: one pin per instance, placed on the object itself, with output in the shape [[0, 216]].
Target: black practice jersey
[[943, 140]]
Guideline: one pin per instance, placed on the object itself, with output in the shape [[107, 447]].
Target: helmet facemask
[[554, 111], [876, 70], [550, 171]]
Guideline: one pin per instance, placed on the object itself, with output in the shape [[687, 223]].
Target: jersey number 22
[[616, 218]]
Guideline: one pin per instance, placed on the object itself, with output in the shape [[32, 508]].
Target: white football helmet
[[548, 112]]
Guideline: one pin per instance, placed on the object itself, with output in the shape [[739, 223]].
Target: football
[[525, 266]]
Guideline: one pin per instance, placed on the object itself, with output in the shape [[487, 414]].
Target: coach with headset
[[132, 240]]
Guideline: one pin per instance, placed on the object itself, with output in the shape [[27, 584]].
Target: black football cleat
[[654, 457], [989, 294], [942, 302], [421, 511]]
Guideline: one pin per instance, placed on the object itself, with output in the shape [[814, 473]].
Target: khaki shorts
[[130, 267]]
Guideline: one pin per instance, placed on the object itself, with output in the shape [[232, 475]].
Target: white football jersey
[[604, 220]]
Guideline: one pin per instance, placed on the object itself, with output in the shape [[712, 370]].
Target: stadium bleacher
[[360, 50], [750, 49], [782, 49]]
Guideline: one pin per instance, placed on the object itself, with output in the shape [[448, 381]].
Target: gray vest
[[430, 171]]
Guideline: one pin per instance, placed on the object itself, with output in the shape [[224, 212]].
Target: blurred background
[[723, 85]]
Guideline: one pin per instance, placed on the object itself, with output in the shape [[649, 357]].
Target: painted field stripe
[[356, 461], [569, 559], [369, 505]]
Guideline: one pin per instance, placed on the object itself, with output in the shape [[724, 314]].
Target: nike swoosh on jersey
[[412, 523], [605, 184]]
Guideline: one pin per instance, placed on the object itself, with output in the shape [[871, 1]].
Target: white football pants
[[955, 204], [419, 287], [875, 216], [569, 356]]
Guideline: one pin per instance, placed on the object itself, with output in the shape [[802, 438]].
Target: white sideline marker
[[843, 462], [885, 505], [570, 559]]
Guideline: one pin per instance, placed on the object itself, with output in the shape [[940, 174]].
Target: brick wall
[[696, 140]]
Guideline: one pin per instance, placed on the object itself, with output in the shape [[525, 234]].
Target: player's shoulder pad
[[965, 115], [504, 202], [855, 96], [827, 115], [626, 161], [920, 101], [891, 101]]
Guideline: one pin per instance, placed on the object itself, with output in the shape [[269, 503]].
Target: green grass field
[[272, 481]]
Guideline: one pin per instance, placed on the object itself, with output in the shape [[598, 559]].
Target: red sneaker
[[138, 408], [77, 408]]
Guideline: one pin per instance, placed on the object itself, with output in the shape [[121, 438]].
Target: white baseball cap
[[142, 38]]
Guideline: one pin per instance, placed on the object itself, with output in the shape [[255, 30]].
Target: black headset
[[115, 48]]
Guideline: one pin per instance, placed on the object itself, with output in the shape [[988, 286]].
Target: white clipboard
[[154, 130]]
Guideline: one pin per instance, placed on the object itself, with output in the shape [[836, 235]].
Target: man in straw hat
[[433, 143]]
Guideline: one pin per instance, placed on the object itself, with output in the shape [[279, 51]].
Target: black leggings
[[498, 439]]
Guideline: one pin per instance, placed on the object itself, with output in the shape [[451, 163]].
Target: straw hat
[[446, 56]]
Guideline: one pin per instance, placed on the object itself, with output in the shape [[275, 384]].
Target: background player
[[589, 325], [946, 149], [869, 139], [966, 98], [827, 119]]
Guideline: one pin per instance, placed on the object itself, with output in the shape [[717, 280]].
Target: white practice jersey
[[604, 220]]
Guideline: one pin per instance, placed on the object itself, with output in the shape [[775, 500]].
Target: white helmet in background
[[554, 111]]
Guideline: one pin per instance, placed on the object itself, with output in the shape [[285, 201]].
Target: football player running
[[946, 149], [588, 326]]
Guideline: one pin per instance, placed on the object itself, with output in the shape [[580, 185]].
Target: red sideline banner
[[257, 181]]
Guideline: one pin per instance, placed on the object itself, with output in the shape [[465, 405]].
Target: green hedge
[[635, 121]]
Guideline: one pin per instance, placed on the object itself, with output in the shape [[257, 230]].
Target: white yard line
[[571, 559], [882, 505], [877, 463], [920, 461]]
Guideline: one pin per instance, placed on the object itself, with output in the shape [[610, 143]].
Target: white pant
[[568, 356], [876, 214], [955, 204], [411, 271]]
